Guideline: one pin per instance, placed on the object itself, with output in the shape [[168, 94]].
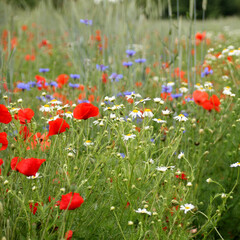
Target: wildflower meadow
[[118, 125]]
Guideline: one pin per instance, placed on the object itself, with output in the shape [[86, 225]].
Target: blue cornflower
[[152, 140], [122, 155], [127, 64], [53, 84], [119, 94], [101, 67], [73, 85], [116, 77], [206, 72], [32, 83], [83, 101], [176, 95], [86, 21], [130, 52], [166, 89], [128, 93], [75, 76], [23, 86], [42, 98], [43, 70], [140, 60], [49, 97]]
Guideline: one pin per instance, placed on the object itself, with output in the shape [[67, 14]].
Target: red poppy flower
[[207, 105], [215, 101], [24, 132], [200, 97], [33, 208], [1, 162], [182, 176], [25, 115], [85, 111], [3, 141], [28, 166], [57, 126], [200, 36], [5, 116], [62, 79], [71, 201], [68, 235]]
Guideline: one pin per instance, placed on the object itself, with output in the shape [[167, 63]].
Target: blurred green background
[[215, 8]]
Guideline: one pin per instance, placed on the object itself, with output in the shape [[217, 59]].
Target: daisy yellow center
[[88, 141], [147, 110], [181, 115], [46, 106], [135, 111], [159, 119], [238, 163], [68, 112], [187, 207], [128, 135], [54, 100]]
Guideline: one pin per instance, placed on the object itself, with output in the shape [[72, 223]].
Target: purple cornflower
[[116, 77], [127, 64], [206, 72], [23, 86], [140, 60], [83, 101], [101, 67], [75, 76], [86, 21], [73, 85], [166, 89], [49, 97], [176, 95], [32, 83], [53, 84], [130, 53], [43, 70]]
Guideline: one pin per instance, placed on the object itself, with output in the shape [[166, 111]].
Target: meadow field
[[116, 125]]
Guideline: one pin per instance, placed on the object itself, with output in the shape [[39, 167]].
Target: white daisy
[[34, 177], [128, 136], [147, 113], [135, 113], [88, 143], [144, 210], [181, 118], [159, 120], [46, 108], [166, 112], [237, 164], [181, 155], [53, 118], [183, 89], [142, 101], [158, 100], [187, 207], [68, 115], [162, 169], [54, 101]]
